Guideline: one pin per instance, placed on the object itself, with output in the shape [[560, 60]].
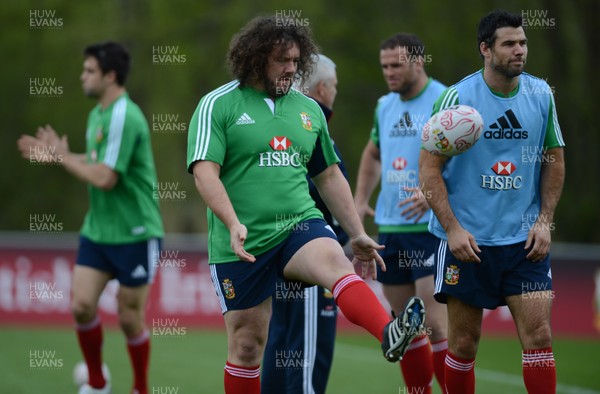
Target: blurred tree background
[[562, 52]]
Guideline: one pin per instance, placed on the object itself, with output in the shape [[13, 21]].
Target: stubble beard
[[505, 70]]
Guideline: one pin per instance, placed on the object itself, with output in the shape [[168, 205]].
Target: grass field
[[42, 360]]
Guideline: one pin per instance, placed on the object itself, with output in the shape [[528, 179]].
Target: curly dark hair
[[250, 48]]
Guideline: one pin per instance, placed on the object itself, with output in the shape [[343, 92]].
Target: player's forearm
[[434, 189], [79, 156], [99, 175], [336, 193], [552, 181], [213, 193], [369, 172]]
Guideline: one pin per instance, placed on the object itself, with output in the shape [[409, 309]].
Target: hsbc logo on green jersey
[[280, 157], [280, 143]]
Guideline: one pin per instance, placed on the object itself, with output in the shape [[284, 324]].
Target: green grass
[[193, 363]]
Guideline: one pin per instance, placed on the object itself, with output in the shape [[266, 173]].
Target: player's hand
[[416, 204], [238, 234], [463, 246], [30, 148], [37, 150], [60, 146], [45, 147], [365, 254], [539, 240], [364, 210]]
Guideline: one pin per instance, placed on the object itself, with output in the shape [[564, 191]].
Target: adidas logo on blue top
[[506, 127]]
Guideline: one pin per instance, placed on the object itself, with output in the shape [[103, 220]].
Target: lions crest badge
[[452, 275], [228, 289]]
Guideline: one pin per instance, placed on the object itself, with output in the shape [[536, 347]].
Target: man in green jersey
[[250, 145], [121, 233]]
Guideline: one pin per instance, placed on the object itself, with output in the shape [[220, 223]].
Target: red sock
[[459, 375], [439, 349], [539, 371], [360, 305], [90, 342], [242, 380], [139, 353], [417, 366]]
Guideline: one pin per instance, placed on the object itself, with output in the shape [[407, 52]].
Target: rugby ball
[[452, 131], [81, 374]]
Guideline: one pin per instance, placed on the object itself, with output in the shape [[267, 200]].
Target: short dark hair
[[486, 30], [111, 56], [250, 48], [406, 40]]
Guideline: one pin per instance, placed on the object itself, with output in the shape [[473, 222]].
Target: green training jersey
[[118, 136], [265, 148]]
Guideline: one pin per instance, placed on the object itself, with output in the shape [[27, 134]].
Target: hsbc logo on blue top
[[504, 168], [503, 180]]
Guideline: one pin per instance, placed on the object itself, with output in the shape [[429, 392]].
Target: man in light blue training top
[[402, 213], [494, 207]]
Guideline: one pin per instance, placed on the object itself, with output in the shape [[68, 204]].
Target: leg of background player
[[326, 316], [531, 312], [132, 305], [301, 331], [87, 286], [437, 325], [417, 363], [284, 329]]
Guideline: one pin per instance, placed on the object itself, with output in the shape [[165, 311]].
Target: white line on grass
[[374, 356]]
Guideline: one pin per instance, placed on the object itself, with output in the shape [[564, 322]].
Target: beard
[[405, 88], [505, 70], [409, 80], [275, 90], [91, 92]]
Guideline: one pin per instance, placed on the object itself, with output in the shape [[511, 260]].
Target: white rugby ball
[[452, 131], [81, 374]]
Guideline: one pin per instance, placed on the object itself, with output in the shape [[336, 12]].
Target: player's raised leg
[[132, 305], [464, 331], [87, 286], [322, 261], [531, 312]]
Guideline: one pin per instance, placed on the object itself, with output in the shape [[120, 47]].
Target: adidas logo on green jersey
[[245, 119]]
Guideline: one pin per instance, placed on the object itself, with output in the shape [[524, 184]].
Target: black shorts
[[407, 256], [242, 285], [504, 271], [132, 264]]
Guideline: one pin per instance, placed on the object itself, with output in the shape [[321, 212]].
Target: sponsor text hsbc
[[279, 159]]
